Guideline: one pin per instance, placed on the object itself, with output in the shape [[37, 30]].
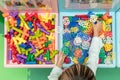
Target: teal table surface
[[41, 74]]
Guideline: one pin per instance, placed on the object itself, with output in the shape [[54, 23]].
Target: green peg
[[67, 43], [82, 28], [99, 15], [47, 43], [102, 55], [30, 57], [70, 18], [65, 50], [47, 55]]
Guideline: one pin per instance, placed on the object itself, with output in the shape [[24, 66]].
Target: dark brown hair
[[77, 72]]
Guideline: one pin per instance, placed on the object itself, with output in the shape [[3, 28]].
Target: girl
[[78, 71]]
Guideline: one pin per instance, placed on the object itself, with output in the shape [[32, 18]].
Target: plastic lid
[[25, 5], [88, 4]]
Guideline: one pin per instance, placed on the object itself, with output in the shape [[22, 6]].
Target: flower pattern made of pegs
[[85, 37], [85, 61], [108, 60], [109, 40], [93, 18], [108, 47], [85, 31], [77, 41], [66, 21], [108, 34], [75, 60], [108, 28], [74, 29], [88, 24], [78, 53], [67, 43], [82, 23], [80, 34], [85, 45], [66, 30]]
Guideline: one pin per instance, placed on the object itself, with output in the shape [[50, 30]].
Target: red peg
[[67, 60]]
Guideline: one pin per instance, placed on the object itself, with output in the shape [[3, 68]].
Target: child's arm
[[94, 53], [57, 71], [95, 47]]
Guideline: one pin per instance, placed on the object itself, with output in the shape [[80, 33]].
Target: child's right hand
[[97, 28], [61, 58]]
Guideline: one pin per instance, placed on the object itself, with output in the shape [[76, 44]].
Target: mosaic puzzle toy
[[77, 36]]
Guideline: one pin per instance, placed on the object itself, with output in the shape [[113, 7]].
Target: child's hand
[[97, 28], [61, 58]]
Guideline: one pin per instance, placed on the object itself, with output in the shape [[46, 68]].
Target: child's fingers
[[64, 58], [61, 56]]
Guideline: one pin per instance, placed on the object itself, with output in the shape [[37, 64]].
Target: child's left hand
[[61, 58]]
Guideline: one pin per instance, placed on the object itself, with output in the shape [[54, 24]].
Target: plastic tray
[[63, 14]]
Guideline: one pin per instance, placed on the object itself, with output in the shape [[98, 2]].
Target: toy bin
[[76, 34], [30, 33]]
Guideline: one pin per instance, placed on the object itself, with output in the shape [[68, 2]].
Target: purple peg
[[14, 14], [37, 59], [11, 31], [12, 35], [31, 45], [20, 59], [9, 54], [22, 56], [48, 62], [33, 51], [40, 58], [23, 61], [42, 29], [11, 14], [27, 43], [31, 33]]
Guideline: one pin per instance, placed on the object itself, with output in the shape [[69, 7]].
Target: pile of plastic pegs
[[30, 38]]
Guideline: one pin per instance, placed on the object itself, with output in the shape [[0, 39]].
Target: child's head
[[77, 72]]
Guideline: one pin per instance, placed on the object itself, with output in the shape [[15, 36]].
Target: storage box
[[31, 34], [69, 14], [66, 11]]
